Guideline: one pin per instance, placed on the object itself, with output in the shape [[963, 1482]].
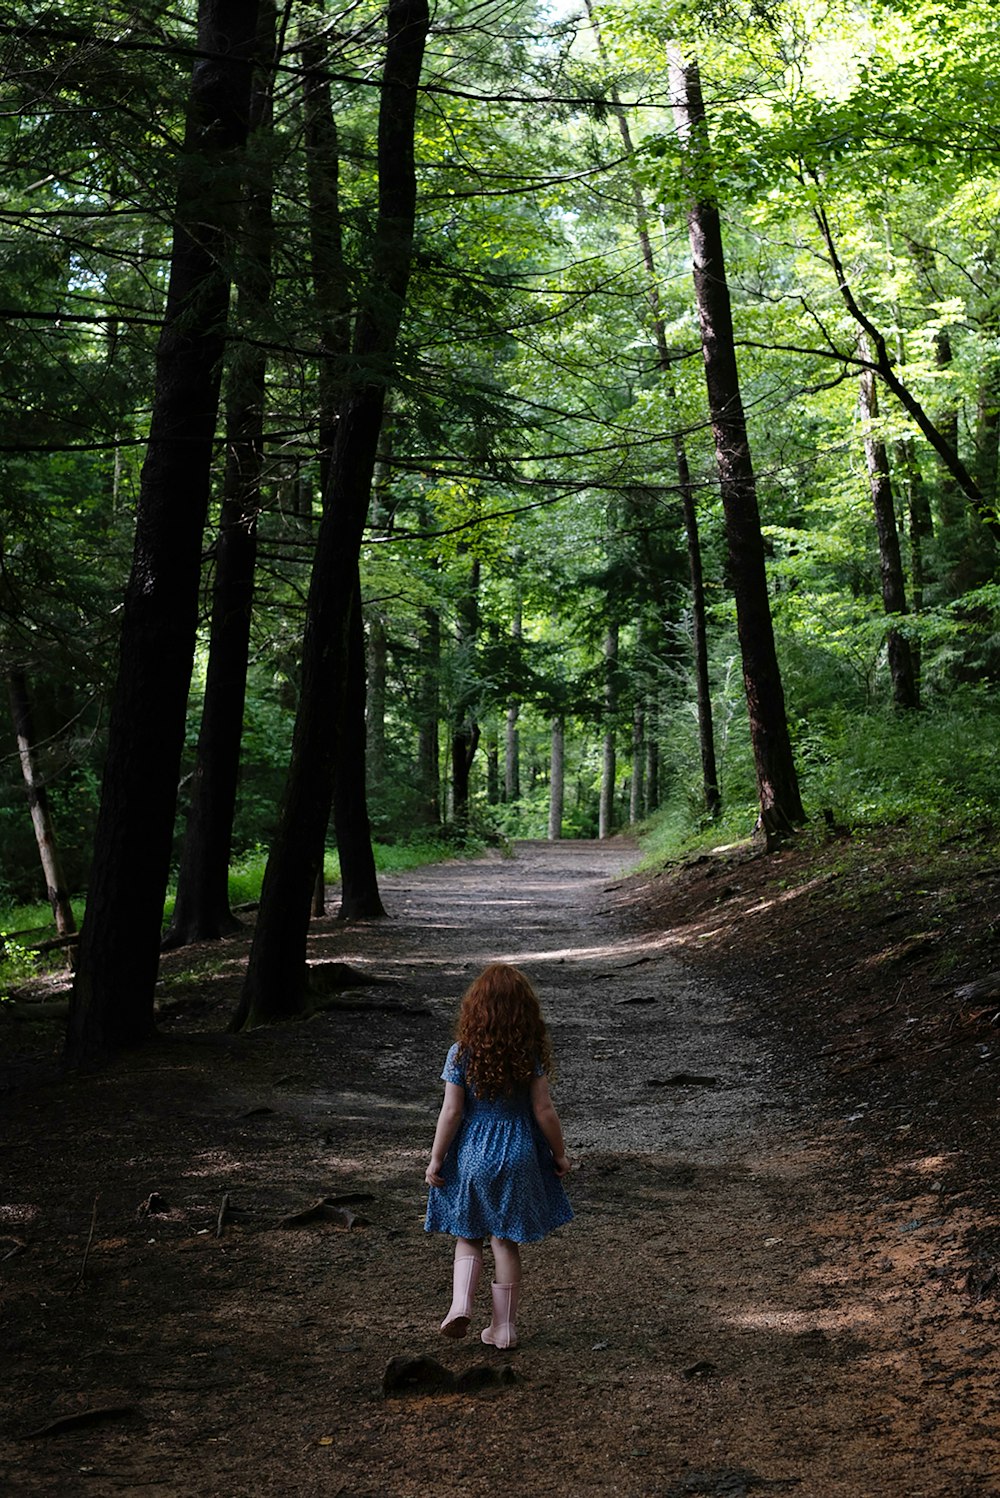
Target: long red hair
[[501, 1035]]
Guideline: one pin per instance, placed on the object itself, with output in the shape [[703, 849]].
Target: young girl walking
[[498, 1156]]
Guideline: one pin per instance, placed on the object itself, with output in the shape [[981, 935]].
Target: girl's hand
[[561, 1165], [432, 1175]]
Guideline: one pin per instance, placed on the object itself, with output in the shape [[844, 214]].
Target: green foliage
[[17, 965]]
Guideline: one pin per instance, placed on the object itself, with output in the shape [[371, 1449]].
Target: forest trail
[[728, 1314]]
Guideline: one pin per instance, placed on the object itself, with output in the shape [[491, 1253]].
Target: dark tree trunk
[[359, 893], [987, 431], [901, 670], [377, 656], [275, 985], [921, 528], [652, 774], [777, 782], [201, 910], [492, 766], [112, 1004], [38, 804], [636, 791], [429, 718], [706, 730], [465, 729], [359, 881], [699, 632]]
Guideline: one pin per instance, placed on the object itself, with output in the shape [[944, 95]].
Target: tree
[[777, 782], [901, 668], [276, 978], [201, 909], [112, 1004], [38, 802]]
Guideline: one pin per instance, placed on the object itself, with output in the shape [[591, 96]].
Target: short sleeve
[[454, 1071]]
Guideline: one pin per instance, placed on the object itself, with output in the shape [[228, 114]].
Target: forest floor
[[783, 1274]]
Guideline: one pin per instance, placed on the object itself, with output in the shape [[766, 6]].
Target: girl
[[498, 1155]]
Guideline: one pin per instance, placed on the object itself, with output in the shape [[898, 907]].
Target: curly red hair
[[501, 1034]]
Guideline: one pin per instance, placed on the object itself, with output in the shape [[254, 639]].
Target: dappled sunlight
[[621, 952], [853, 1317], [788, 895], [216, 1163]]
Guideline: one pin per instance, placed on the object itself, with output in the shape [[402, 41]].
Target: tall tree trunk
[[557, 779], [492, 766], [652, 773], [465, 729], [201, 910], [987, 430], [699, 633], [637, 778], [359, 898], [38, 804], [777, 782], [512, 744], [429, 719], [901, 670], [609, 770], [377, 656], [951, 501], [511, 756], [275, 985], [112, 1004], [920, 527]]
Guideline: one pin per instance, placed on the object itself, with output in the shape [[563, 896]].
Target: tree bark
[[699, 633], [512, 744], [429, 718], [201, 910], [609, 770], [376, 655], [492, 766], [637, 779], [557, 779], [901, 669], [512, 756], [465, 729], [987, 429], [359, 898], [777, 782], [38, 804], [112, 1003], [275, 985]]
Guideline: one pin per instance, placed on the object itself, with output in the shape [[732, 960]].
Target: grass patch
[[246, 876]]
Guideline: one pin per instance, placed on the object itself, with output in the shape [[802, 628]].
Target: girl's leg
[[465, 1281], [506, 1261], [505, 1290]]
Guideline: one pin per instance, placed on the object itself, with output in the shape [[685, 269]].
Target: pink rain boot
[[465, 1282], [501, 1331]]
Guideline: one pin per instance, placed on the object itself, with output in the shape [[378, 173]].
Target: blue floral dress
[[499, 1177]]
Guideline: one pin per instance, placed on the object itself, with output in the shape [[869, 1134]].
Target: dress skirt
[[499, 1174]]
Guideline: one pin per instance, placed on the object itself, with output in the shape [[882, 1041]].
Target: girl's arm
[[547, 1120], [449, 1119]]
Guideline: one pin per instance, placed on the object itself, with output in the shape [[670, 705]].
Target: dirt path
[[731, 1311]]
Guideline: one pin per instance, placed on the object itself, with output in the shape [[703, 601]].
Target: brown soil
[[783, 1271]]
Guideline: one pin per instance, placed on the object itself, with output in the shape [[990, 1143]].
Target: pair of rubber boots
[[501, 1331]]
